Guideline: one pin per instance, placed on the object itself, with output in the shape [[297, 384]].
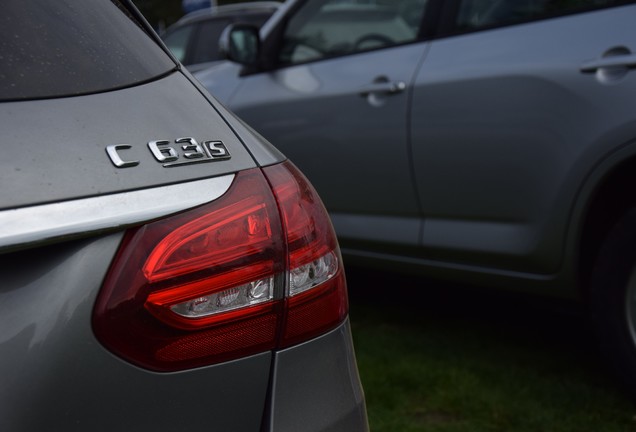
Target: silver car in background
[[193, 39], [484, 141], [162, 268]]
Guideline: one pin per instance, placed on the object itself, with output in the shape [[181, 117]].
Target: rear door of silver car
[[508, 108]]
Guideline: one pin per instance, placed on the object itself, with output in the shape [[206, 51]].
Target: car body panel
[[72, 134], [504, 125], [293, 104], [487, 93], [57, 376], [222, 79], [332, 383]]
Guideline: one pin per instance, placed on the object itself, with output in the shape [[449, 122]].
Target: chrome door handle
[[622, 61], [384, 88]]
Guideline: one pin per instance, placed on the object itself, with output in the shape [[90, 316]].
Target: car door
[[507, 110], [336, 104]]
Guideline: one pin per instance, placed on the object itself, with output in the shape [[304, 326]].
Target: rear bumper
[[316, 387], [54, 375]]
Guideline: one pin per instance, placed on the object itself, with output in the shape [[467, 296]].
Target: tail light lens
[[255, 270], [316, 296]]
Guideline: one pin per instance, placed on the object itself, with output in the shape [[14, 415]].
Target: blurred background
[[161, 13]]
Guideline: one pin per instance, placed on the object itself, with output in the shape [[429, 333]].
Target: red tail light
[[229, 279]]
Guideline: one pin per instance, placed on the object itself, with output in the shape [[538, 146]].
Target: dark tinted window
[[69, 47], [201, 46], [178, 41], [474, 14], [206, 47]]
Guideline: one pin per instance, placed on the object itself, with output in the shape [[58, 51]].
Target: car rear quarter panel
[[317, 388], [56, 375]]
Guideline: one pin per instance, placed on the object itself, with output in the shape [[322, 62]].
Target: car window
[[70, 47], [198, 42], [206, 46], [177, 41], [327, 28], [475, 14], [257, 19]]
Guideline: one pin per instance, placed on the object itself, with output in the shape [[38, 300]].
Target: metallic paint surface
[[316, 387], [55, 149], [356, 154], [56, 375], [505, 123]]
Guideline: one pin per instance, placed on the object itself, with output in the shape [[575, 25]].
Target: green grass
[[457, 359]]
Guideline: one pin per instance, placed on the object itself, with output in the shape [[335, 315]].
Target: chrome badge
[[182, 151]]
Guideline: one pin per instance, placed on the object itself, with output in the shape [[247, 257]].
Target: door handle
[[619, 61], [383, 87], [377, 92]]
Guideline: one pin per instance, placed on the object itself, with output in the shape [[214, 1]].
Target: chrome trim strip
[[71, 218]]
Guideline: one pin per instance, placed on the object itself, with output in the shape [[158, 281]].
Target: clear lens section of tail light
[[314, 273], [248, 294]]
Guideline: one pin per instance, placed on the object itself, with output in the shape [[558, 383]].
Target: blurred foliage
[[161, 13]]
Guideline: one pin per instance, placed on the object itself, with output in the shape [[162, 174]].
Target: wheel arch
[[602, 199]]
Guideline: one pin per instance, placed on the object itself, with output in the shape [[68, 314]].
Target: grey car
[[193, 40], [161, 266], [484, 141]]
